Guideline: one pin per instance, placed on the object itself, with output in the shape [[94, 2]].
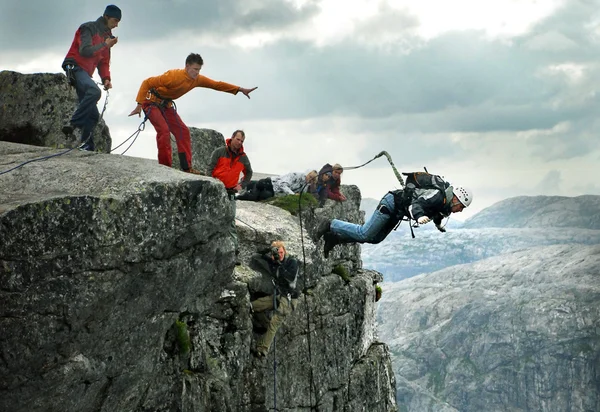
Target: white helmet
[[464, 195]]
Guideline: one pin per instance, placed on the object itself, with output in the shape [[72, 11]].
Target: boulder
[[34, 108], [204, 142]]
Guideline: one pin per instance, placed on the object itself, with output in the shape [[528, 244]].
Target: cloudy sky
[[498, 95]]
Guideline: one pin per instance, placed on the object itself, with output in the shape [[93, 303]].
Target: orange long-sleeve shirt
[[175, 83]]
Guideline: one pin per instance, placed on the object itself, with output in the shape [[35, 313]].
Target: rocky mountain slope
[[400, 257], [506, 226], [540, 211], [516, 332], [118, 292]]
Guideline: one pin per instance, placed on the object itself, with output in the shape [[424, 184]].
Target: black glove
[[440, 228]]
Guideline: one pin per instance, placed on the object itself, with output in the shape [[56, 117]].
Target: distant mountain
[[517, 332], [400, 257], [540, 211]]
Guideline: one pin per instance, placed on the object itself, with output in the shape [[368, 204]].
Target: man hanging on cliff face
[[90, 50], [284, 271]]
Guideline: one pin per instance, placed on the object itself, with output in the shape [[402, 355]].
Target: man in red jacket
[[226, 164], [90, 50]]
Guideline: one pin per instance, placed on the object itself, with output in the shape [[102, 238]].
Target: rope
[[389, 158], [274, 408], [135, 134], [302, 191], [312, 381]]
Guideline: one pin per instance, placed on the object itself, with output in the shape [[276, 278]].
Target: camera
[[275, 252]]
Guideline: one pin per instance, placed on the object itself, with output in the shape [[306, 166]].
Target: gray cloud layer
[[407, 95]]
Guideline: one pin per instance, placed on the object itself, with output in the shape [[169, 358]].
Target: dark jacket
[[284, 273], [432, 203], [89, 50], [329, 189]]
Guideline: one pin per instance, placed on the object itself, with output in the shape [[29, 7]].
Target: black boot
[[331, 239], [323, 227]]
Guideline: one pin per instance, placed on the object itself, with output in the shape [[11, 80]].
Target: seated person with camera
[[284, 272]]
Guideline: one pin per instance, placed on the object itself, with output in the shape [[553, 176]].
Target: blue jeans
[[86, 116], [374, 230]]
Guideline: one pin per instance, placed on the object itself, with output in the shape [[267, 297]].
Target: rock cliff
[[118, 292], [34, 107], [517, 332]]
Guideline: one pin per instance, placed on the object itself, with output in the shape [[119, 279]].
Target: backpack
[[425, 180], [414, 181]]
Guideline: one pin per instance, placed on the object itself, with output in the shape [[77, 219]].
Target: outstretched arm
[[246, 92]]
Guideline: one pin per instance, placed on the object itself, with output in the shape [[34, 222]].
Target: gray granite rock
[[118, 292], [34, 107], [204, 142], [517, 332]]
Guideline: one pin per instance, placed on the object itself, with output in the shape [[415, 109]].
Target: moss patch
[[378, 292], [342, 272], [290, 202], [183, 337]]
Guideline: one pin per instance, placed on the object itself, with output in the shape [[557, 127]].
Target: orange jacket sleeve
[[203, 81]]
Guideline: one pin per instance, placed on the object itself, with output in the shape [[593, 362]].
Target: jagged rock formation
[[34, 107], [118, 293], [540, 211], [517, 332]]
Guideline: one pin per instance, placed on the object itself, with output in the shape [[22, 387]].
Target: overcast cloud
[[502, 98]]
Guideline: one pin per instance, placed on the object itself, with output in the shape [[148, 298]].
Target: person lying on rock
[[328, 183], [420, 204], [156, 96], [283, 269], [287, 184]]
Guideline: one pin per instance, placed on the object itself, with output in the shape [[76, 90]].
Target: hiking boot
[[193, 171], [331, 240], [323, 227], [72, 133], [84, 147]]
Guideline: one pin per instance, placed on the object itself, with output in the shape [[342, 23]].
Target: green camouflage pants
[[284, 308]]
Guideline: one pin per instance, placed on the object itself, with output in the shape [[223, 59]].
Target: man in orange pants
[[156, 97]]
